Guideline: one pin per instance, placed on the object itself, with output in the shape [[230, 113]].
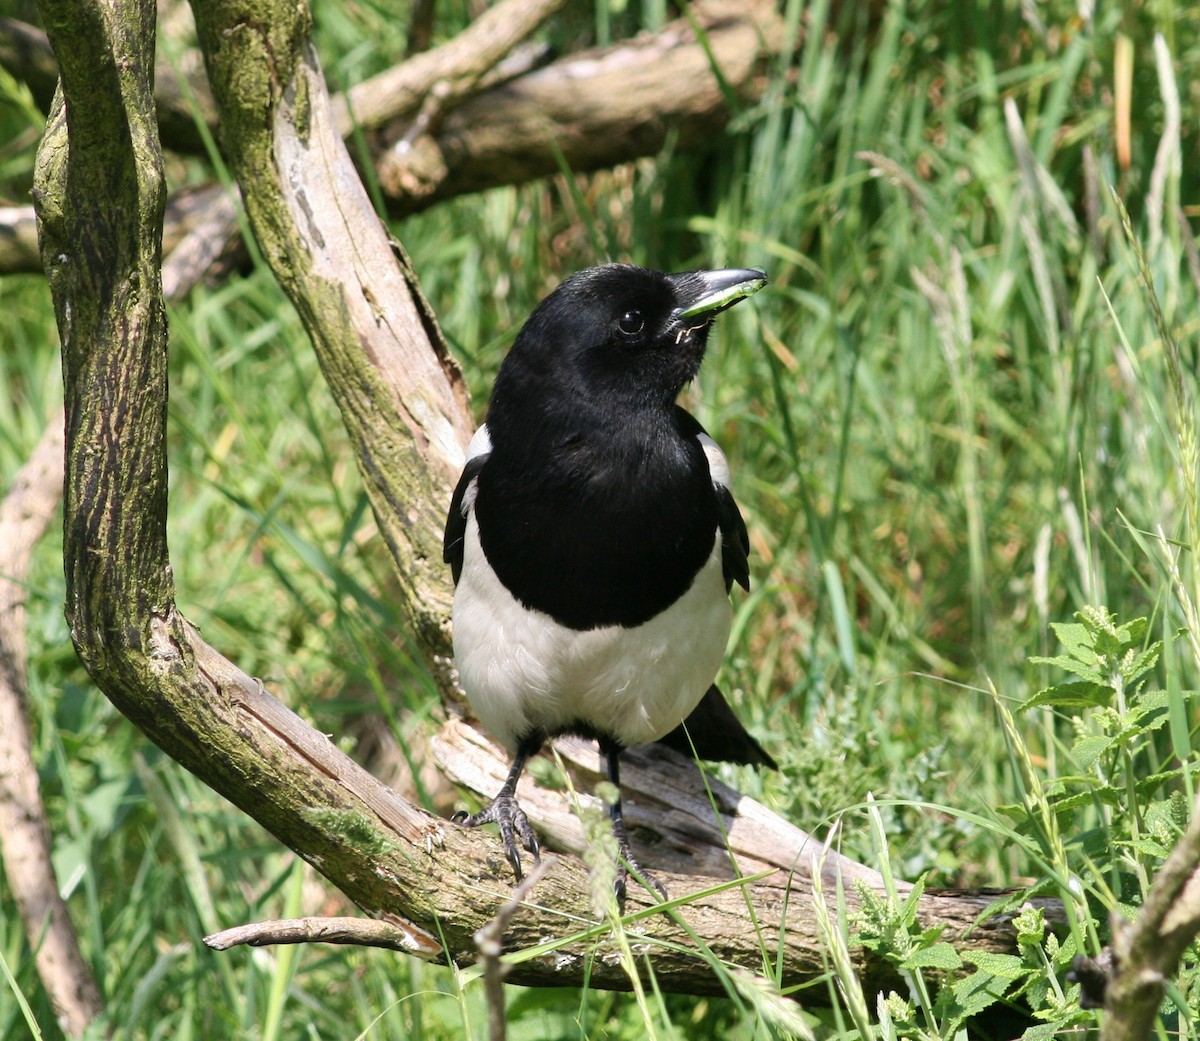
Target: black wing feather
[[456, 519], [735, 541]]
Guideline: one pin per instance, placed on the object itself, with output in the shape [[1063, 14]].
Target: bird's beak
[[708, 293]]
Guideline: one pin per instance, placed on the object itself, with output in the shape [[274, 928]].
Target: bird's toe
[[506, 812], [626, 866]]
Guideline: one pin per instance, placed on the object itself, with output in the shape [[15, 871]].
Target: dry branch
[[453, 71], [357, 932], [479, 129], [591, 110], [188, 209], [25, 513]]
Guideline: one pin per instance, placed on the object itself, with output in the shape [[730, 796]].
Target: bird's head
[[623, 336]]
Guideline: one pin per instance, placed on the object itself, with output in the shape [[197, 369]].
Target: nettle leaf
[[1014, 811], [1141, 726], [1088, 749], [1107, 636], [970, 996], [1003, 966], [1076, 694], [1147, 846], [1151, 709], [1133, 631], [1096, 647], [1152, 701], [1108, 794], [1147, 787], [1085, 670], [939, 956], [1041, 1032], [1078, 640], [1028, 821]]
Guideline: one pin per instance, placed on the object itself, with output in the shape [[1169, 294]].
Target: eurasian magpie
[[593, 537]]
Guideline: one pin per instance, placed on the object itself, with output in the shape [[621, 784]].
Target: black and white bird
[[593, 537]]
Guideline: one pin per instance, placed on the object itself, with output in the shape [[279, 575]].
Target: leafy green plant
[[1122, 804], [1135, 799]]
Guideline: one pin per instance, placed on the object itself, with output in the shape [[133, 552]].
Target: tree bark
[[99, 199], [402, 398]]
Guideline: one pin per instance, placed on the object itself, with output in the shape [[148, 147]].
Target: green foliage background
[[952, 423]]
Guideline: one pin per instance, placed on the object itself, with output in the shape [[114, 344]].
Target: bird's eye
[[631, 323]]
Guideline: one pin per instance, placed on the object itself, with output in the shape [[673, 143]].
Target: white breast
[[522, 670]]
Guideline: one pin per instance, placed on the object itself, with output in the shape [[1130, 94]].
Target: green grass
[[954, 418]]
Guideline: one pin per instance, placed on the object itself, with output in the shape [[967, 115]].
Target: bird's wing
[[735, 542], [463, 499]]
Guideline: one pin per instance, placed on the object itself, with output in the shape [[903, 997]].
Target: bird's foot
[[505, 811], [626, 866]]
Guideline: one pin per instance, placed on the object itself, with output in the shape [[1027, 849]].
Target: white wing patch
[[481, 443], [718, 465]]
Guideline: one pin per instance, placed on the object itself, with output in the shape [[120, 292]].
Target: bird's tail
[[714, 732]]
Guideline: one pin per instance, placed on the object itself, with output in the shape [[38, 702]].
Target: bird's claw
[[506, 812], [626, 866]]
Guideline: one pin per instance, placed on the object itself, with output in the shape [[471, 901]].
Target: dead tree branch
[[456, 67], [189, 209], [358, 932], [25, 513], [448, 124], [591, 110]]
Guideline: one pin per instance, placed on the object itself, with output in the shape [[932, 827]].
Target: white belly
[[522, 670]]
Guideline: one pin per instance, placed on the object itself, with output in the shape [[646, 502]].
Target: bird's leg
[[625, 862], [505, 811]]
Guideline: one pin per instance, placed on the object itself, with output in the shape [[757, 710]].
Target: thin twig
[[490, 941], [393, 933]]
